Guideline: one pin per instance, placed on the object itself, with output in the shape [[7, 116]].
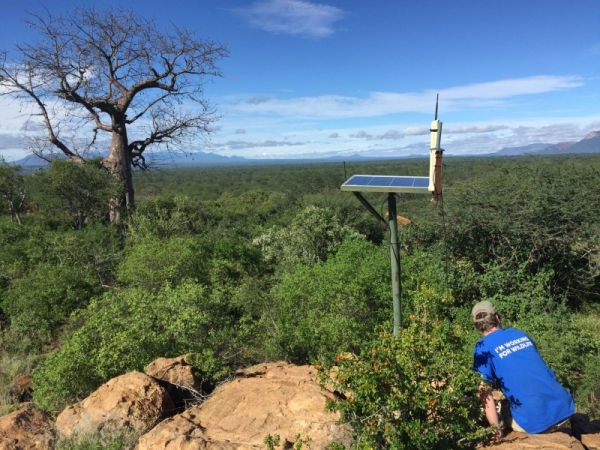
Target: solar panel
[[384, 183]]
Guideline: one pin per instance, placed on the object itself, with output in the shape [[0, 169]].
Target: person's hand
[[499, 434]]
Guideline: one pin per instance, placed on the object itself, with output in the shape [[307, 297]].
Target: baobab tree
[[94, 74]]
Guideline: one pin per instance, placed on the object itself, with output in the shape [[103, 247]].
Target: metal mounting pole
[[437, 175], [395, 263]]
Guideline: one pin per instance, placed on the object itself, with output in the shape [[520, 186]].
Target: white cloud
[[334, 135], [382, 103], [512, 87], [396, 134], [549, 133], [242, 145], [392, 134], [473, 129], [257, 100], [296, 17], [240, 131], [11, 142], [459, 138], [518, 135]]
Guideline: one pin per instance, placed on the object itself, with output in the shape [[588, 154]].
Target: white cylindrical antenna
[[436, 137]]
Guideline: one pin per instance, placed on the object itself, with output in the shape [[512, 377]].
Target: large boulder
[[591, 441], [28, 428], [275, 398], [176, 371], [176, 376], [550, 441], [133, 402]]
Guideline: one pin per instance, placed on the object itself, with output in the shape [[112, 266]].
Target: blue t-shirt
[[509, 358]]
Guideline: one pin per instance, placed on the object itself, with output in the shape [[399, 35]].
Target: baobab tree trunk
[[118, 163]]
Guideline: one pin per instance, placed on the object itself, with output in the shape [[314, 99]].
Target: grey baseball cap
[[483, 307]]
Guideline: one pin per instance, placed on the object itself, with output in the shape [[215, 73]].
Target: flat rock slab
[[275, 398], [28, 428], [551, 441]]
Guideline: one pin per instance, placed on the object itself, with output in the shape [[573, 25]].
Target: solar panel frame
[[386, 183]]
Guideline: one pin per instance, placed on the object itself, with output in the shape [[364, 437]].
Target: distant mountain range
[[589, 144], [201, 159]]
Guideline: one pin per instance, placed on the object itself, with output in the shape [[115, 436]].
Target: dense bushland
[[246, 264]]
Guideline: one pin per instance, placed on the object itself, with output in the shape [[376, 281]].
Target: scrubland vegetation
[[248, 264]]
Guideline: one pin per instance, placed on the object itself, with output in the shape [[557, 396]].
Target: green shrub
[[587, 392], [349, 212], [495, 220], [332, 306], [415, 391], [163, 217], [570, 344], [73, 192], [153, 262], [314, 235], [125, 331], [40, 302], [50, 274]]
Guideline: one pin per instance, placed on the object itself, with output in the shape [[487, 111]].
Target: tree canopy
[[110, 79]]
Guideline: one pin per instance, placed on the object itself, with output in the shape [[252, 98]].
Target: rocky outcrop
[[275, 398], [28, 428], [176, 376], [591, 441], [551, 441], [133, 402], [176, 371]]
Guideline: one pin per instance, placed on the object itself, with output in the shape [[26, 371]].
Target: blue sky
[[340, 77]]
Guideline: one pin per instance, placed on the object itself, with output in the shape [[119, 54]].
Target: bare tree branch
[[104, 71]]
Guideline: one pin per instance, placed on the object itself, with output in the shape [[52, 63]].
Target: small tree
[[80, 191], [111, 71], [12, 190]]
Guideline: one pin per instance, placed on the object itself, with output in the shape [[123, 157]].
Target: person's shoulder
[[484, 343], [480, 343], [498, 336], [515, 331]]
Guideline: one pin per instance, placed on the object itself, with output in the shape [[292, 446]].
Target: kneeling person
[[509, 359]]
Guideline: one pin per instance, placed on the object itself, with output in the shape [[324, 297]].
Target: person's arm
[[489, 407]]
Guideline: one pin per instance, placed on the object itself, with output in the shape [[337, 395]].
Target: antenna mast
[[436, 155]]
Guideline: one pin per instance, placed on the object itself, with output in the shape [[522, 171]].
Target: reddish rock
[[275, 398], [28, 428], [550, 441], [131, 402], [175, 371], [591, 441]]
